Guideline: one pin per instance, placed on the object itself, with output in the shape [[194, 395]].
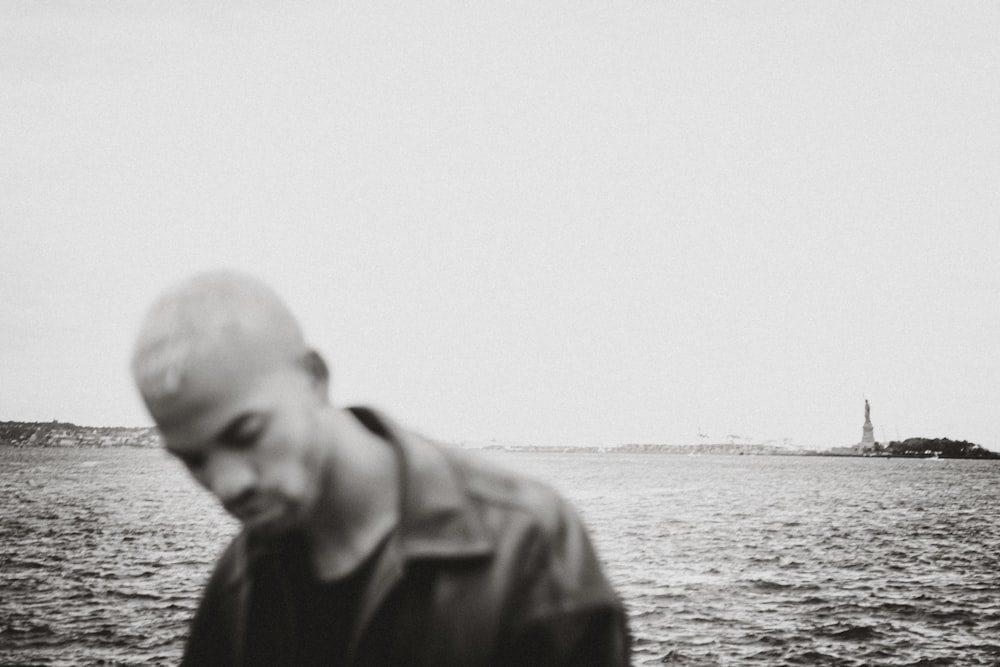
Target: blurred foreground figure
[[362, 544]]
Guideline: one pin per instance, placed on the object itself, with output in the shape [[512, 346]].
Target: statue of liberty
[[867, 431]]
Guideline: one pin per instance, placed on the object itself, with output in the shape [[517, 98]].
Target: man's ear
[[319, 372]]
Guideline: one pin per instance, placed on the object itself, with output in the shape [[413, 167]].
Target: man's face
[[248, 435]]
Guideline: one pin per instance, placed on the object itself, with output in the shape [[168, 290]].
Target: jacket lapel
[[437, 520]]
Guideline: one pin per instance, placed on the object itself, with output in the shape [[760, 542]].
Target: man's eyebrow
[[233, 430]]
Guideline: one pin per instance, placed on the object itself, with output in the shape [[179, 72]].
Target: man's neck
[[359, 501]]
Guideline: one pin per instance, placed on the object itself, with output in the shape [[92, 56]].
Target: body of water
[[721, 560]]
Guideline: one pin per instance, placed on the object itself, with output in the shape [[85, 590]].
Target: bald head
[[212, 318]]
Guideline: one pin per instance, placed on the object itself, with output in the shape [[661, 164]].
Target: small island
[[935, 448]]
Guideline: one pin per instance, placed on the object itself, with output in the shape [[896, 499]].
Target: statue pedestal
[[867, 436]]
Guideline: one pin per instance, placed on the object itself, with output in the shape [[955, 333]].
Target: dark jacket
[[485, 568]]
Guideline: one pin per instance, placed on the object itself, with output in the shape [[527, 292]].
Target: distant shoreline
[[63, 434], [720, 450], [57, 434]]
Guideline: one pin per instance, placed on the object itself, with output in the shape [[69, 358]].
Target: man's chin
[[269, 525]]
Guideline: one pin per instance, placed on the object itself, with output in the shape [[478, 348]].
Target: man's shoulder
[[481, 478], [531, 519], [501, 488], [474, 488]]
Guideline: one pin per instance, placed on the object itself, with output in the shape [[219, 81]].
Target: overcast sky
[[551, 222]]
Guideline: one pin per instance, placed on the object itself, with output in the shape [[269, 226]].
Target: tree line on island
[[937, 447]]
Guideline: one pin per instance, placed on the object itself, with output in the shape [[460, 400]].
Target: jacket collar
[[436, 518]]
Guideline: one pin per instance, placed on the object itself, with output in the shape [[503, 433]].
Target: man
[[362, 544]]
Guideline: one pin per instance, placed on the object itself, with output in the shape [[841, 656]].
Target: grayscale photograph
[[555, 334]]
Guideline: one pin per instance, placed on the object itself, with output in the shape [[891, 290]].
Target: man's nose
[[229, 477]]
